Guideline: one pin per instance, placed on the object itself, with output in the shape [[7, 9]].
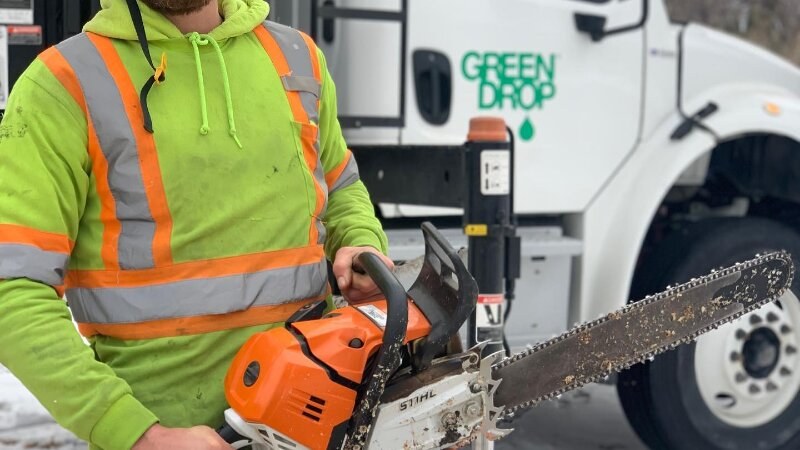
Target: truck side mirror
[[594, 26]]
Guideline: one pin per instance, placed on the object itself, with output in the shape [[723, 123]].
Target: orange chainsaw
[[380, 375]]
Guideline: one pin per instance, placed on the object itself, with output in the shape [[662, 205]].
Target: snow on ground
[[25, 424]]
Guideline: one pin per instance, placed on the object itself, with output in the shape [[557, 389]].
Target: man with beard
[[176, 171]]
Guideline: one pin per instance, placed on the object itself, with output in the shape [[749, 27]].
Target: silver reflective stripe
[[298, 57], [206, 296], [301, 84], [104, 102], [348, 176], [27, 261]]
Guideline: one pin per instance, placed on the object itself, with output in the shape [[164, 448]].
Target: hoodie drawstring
[[160, 74], [198, 40]]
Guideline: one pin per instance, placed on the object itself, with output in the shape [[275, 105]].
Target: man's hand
[[195, 438], [355, 286]]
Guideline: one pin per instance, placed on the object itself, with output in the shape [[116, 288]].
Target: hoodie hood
[[114, 20]]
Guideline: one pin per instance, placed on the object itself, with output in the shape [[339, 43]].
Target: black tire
[[661, 399]]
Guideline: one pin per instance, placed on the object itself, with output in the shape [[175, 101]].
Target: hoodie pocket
[[307, 148]]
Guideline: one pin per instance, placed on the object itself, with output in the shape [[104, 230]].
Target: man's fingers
[[213, 440], [342, 283], [386, 260], [350, 276], [342, 268], [364, 284]]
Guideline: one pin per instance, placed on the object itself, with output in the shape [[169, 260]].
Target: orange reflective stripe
[[272, 49], [43, 240], [63, 72], [261, 315], [60, 68], [109, 250], [333, 175], [312, 53], [308, 137], [145, 143], [282, 66], [313, 235], [211, 268]]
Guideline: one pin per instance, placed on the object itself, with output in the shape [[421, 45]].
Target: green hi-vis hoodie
[[109, 393]]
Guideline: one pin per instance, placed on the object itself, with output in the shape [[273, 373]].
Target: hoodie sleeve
[[350, 219], [44, 180]]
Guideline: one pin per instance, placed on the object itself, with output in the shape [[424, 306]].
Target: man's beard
[[176, 7]]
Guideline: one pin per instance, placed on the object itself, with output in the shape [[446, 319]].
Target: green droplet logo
[[527, 130]]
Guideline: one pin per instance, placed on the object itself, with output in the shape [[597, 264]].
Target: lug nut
[[736, 357], [786, 329], [791, 349], [785, 371], [740, 377], [755, 319], [771, 387], [741, 334], [754, 389], [772, 317]]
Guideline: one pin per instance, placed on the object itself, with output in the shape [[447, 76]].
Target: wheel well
[[753, 175], [760, 166]]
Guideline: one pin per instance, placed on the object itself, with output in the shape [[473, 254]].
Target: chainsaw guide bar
[[638, 332]]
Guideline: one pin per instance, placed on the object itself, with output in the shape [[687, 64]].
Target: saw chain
[[638, 332]]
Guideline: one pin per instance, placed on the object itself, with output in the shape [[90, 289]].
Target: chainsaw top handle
[[387, 359], [396, 298], [392, 290]]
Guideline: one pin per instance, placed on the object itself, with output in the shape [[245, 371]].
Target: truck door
[[574, 103]]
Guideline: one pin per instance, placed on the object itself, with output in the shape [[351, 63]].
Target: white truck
[[647, 152]]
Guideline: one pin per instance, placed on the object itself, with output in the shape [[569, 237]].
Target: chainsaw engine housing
[[303, 379]]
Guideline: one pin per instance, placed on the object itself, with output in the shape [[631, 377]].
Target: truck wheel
[[737, 387]]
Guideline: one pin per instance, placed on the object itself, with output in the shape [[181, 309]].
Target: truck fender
[[615, 223]]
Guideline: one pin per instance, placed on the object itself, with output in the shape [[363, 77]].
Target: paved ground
[[590, 419], [587, 420]]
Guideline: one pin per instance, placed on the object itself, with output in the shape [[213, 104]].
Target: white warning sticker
[[17, 12], [495, 172], [374, 313], [489, 311]]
